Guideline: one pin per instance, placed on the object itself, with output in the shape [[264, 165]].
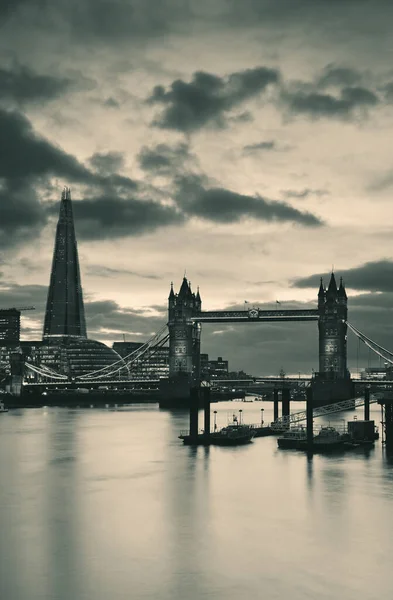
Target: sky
[[246, 143]]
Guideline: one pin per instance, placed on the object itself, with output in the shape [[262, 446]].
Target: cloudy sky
[[247, 142]]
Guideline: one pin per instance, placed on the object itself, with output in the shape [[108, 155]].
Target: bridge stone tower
[[333, 311], [184, 334]]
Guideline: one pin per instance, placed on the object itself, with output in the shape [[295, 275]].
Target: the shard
[[65, 314]]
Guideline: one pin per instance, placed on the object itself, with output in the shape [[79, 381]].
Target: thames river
[[98, 504]]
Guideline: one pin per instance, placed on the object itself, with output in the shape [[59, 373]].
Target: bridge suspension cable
[[46, 372], [125, 363], [128, 365], [134, 357], [379, 350]]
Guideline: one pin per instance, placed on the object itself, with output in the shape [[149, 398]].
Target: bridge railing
[[320, 411]]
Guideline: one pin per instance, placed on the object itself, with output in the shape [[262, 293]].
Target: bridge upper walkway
[[255, 315]]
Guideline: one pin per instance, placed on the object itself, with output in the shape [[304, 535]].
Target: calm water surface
[[98, 504]]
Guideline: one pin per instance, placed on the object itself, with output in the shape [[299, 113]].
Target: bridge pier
[[389, 427], [309, 421], [206, 406], [286, 399], [275, 404], [387, 420], [367, 404]]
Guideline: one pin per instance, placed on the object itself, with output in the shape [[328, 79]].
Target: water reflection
[[309, 467], [61, 510], [187, 514], [110, 504]]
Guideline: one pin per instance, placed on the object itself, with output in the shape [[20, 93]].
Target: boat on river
[[328, 439], [233, 434]]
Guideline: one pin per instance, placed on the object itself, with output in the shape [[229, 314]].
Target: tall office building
[[65, 314], [9, 326], [65, 347]]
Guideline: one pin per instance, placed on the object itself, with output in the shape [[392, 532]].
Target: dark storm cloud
[[22, 84], [109, 272], [109, 217], [223, 206], [24, 154], [268, 145], [302, 194], [332, 16], [163, 158], [108, 22], [107, 162], [208, 98], [105, 319], [13, 294], [376, 276], [333, 75], [27, 160], [316, 104], [21, 214], [104, 19]]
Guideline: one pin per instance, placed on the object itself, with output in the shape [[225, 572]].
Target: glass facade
[[65, 314], [9, 326], [78, 356]]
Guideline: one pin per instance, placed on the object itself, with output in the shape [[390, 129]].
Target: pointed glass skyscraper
[[65, 313]]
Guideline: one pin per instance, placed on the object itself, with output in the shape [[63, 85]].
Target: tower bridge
[[185, 318]]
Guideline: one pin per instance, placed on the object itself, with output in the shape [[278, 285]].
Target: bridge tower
[[333, 312], [184, 334], [333, 380]]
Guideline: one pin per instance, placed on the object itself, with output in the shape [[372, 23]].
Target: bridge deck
[[255, 314]]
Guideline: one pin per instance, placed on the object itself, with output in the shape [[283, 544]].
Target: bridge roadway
[[237, 383], [114, 383], [255, 315]]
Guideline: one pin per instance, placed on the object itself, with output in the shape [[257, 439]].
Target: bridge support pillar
[[388, 406], [286, 399], [275, 405], [309, 417], [194, 405], [206, 406], [367, 404]]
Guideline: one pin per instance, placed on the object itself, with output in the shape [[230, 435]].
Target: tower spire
[[65, 314], [332, 289], [341, 290]]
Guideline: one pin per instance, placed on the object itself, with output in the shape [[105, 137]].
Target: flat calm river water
[[100, 505]]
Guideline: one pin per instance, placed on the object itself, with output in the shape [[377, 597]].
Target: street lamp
[[240, 416], [262, 421], [215, 423]]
